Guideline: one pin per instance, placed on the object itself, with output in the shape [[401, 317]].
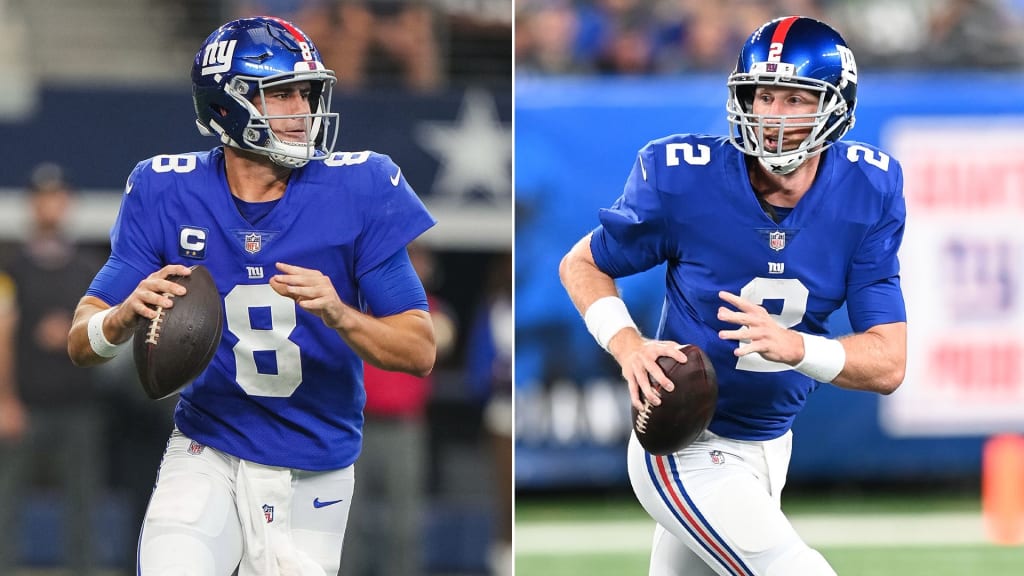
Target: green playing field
[[877, 535], [848, 561]]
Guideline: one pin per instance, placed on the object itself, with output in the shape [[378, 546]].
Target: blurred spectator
[[974, 33], [384, 525], [478, 40], [50, 417], [136, 434], [546, 32], [20, 80], [489, 371], [399, 34], [366, 41]]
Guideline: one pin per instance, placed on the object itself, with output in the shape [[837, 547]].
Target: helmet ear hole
[[745, 95]]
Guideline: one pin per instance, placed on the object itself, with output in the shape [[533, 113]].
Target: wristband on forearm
[[824, 358], [606, 317], [98, 340]]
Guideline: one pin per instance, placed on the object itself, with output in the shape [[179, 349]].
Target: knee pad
[[804, 561], [162, 556]]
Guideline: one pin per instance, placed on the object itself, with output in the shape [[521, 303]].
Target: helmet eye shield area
[[319, 125], [749, 130]]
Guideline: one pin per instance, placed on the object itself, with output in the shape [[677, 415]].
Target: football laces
[[643, 417], [153, 335]]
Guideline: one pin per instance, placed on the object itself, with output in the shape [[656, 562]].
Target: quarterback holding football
[[765, 232], [302, 243]]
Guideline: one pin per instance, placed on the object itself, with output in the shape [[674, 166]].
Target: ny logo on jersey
[[217, 57], [255, 272], [776, 267], [268, 513]]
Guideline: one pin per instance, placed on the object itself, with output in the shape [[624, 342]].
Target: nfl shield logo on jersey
[[253, 243], [268, 513], [777, 240]]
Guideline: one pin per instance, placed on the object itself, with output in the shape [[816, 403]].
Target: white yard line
[[555, 538]]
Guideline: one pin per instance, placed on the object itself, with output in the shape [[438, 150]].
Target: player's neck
[[783, 190], [254, 177]]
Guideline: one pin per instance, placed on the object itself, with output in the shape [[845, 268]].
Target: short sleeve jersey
[[689, 202], [283, 389]]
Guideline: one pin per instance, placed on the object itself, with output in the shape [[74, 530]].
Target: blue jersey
[[283, 389], [689, 202]]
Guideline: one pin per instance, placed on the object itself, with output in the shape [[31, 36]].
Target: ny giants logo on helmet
[[217, 57], [848, 63]]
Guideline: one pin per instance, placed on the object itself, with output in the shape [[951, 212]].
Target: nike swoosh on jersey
[[128, 188], [318, 504], [396, 177]]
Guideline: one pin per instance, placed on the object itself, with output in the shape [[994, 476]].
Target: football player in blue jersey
[[765, 233], [308, 249]]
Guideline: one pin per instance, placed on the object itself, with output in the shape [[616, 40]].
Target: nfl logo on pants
[[268, 513]]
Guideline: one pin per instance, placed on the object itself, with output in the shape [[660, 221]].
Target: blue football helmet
[[792, 52], [237, 63]]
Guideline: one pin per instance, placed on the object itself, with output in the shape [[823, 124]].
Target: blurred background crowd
[[417, 44], [636, 37]]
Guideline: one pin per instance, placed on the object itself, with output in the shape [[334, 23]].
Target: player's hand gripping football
[[149, 294], [638, 358], [759, 332], [312, 290]]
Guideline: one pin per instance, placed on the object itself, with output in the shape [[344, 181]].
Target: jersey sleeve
[[631, 237], [133, 254], [393, 287], [394, 216], [874, 295]]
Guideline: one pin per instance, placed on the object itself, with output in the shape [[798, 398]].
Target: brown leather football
[[686, 411], [176, 346]]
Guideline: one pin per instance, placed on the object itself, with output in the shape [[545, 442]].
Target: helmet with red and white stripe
[[792, 52], [241, 60]]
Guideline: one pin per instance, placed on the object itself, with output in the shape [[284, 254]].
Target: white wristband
[[606, 317], [824, 358], [100, 345]]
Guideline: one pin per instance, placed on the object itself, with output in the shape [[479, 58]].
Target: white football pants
[[717, 505], [194, 525]]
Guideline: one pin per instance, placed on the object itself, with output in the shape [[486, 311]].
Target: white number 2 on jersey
[[237, 306], [793, 295]]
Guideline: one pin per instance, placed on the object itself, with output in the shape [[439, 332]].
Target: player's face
[[287, 100], [773, 102]]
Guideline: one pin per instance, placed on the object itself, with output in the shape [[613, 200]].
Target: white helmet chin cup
[[290, 155], [783, 164]]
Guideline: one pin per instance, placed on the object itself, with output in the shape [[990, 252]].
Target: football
[[686, 411], [176, 346]]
